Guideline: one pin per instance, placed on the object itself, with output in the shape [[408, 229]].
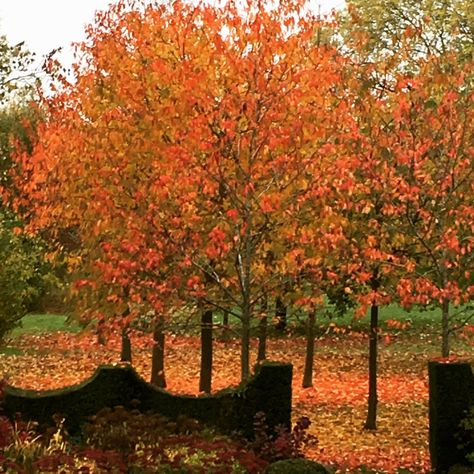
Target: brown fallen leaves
[[336, 403]]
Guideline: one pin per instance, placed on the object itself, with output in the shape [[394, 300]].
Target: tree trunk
[[244, 262], [126, 349], [280, 314], [101, 339], [445, 328], [225, 327], [262, 334], [245, 349], [205, 376], [309, 360], [158, 354], [371, 422]]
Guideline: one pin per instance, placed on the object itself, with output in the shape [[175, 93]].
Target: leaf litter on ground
[[336, 403]]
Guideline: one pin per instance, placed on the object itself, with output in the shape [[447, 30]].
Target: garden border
[[230, 410]]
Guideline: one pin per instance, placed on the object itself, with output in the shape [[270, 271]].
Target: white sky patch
[[45, 25]]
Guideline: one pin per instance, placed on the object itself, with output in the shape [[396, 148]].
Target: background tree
[[25, 274], [421, 28], [431, 138], [16, 76]]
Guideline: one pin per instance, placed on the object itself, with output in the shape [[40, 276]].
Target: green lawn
[[428, 320], [38, 323], [41, 323], [416, 317]]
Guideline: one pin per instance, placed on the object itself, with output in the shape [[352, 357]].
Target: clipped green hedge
[[451, 395], [230, 410]]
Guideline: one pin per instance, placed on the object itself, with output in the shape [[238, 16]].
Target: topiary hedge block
[[451, 394], [230, 410]]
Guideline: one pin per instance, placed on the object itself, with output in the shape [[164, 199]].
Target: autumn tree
[[365, 254], [363, 265], [389, 44], [431, 138], [315, 238], [254, 146], [97, 169], [405, 145], [179, 147]]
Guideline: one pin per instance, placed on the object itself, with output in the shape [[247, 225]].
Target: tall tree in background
[[24, 274], [431, 139], [365, 193], [16, 77], [422, 28]]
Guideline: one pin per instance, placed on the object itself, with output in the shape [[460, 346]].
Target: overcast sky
[[48, 24]]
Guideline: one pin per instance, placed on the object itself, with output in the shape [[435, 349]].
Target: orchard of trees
[[247, 158]]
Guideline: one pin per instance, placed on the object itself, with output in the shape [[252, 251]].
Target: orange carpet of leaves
[[336, 403]]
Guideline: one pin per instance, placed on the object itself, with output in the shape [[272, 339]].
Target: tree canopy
[[217, 156]]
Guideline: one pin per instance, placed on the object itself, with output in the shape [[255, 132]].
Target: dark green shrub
[[121, 441], [296, 466], [458, 469]]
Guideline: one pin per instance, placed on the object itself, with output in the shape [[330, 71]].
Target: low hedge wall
[[230, 410]]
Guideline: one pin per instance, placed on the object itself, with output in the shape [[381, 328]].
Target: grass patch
[[43, 323], [10, 351], [419, 319]]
